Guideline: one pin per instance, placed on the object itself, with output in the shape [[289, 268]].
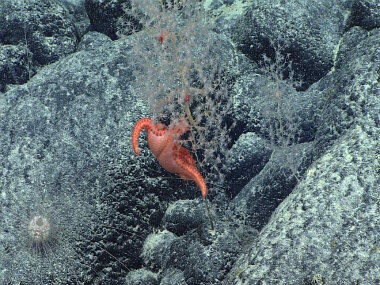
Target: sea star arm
[[144, 123], [189, 170]]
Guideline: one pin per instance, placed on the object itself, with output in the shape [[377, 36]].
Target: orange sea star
[[164, 144]]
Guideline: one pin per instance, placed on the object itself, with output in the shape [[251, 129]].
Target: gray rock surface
[[299, 206]]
